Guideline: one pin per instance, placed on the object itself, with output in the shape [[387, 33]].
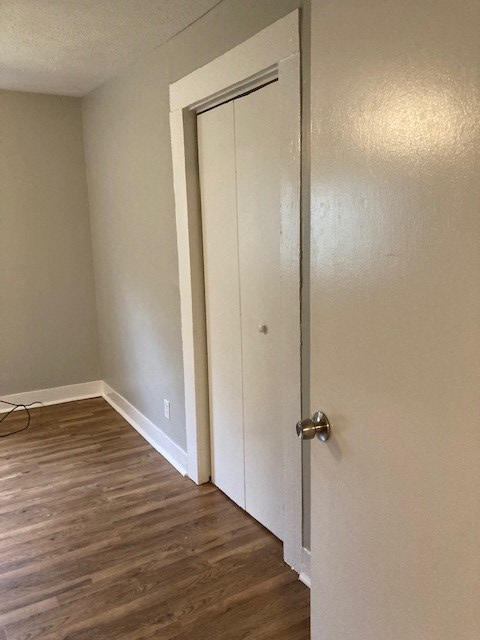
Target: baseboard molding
[[57, 395], [305, 573], [176, 456]]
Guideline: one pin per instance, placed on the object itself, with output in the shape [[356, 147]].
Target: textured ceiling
[[69, 47]]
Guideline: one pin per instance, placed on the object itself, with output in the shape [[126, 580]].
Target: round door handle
[[262, 328], [318, 425]]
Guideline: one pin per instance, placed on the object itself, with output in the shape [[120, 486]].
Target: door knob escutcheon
[[318, 425]]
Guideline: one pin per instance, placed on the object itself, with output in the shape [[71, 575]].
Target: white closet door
[[240, 192], [258, 202], [216, 147]]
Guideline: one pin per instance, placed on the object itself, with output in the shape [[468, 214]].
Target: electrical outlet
[[166, 409]]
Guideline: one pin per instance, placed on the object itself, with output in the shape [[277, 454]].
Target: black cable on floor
[[14, 408]]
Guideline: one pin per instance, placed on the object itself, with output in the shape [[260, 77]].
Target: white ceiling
[[69, 47]]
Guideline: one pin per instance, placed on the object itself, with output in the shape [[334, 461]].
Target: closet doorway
[[239, 168], [259, 388]]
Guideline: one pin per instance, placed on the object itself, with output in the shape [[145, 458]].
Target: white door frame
[[273, 53]]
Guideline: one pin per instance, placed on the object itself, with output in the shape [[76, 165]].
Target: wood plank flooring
[[100, 538]]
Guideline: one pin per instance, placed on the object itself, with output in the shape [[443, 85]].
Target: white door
[[240, 190], [395, 316]]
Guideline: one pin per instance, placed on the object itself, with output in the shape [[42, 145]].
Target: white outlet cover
[[166, 409]]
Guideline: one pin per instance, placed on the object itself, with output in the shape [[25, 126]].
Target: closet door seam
[[240, 299]]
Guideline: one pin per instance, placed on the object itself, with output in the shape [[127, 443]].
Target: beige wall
[[48, 329], [127, 142]]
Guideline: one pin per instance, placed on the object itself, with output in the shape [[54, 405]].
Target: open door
[[395, 311]]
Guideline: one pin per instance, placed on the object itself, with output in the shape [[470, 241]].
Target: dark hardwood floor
[[101, 538]]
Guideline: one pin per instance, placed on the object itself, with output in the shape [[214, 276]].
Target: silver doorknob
[[318, 425]]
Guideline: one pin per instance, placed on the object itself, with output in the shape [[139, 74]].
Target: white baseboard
[[56, 395], [305, 573], [97, 388], [176, 456]]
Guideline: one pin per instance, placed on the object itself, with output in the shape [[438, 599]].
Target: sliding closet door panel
[[216, 145], [258, 203]]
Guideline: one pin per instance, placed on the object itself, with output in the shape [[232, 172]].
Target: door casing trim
[[273, 53]]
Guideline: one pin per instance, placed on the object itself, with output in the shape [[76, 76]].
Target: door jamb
[[271, 53]]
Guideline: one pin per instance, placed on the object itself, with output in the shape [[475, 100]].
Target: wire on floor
[[16, 407]]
